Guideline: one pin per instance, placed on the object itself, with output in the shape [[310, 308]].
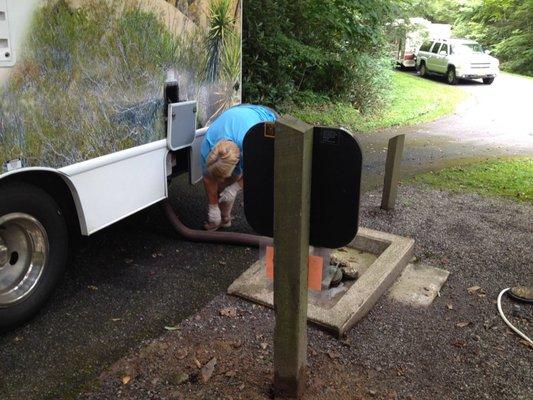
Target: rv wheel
[[33, 251]]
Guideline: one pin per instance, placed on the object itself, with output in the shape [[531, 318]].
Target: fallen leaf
[[222, 262], [172, 328], [115, 319], [126, 379], [92, 287], [181, 354], [228, 312], [400, 371], [264, 345], [181, 377], [462, 324], [198, 363], [459, 343], [333, 354], [231, 374], [473, 289], [208, 369], [449, 306]]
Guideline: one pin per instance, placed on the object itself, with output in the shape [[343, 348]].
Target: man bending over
[[221, 156]]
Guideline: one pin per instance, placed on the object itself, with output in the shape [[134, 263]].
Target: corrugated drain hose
[[518, 332], [243, 239]]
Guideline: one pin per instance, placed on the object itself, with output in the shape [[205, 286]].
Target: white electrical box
[[7, 55]]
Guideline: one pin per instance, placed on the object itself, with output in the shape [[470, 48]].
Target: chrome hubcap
[[3, 253], [23, 255]]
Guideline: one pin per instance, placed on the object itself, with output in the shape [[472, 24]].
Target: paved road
[[129, 281], [495, 121]]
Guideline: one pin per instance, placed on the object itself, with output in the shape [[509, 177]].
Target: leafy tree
[[505, 26], [310, 49]]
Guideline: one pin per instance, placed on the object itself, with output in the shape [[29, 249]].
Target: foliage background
[[316, 51], [504, 26]]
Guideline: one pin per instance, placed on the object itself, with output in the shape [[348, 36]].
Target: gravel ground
[[123, 285], [457, 349]]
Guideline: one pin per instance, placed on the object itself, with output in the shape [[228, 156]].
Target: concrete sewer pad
[[381, 258], [418, 285]]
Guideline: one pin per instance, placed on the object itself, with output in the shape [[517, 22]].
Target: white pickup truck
[[456, 59]]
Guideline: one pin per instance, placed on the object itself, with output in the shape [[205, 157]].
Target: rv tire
[[33, 251]]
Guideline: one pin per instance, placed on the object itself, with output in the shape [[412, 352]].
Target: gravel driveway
[[459, 348]]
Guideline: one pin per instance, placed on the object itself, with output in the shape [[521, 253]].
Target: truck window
[[444, 47], [425, 46], [435, 48]]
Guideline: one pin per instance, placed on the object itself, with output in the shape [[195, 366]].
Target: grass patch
[[413, 101], [502, 177]]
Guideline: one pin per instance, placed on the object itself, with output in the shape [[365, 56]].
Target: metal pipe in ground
[[195, 235]]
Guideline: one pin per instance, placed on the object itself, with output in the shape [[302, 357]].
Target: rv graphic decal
[[87, 75]]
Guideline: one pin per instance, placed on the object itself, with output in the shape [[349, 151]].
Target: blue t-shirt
[[233, 124]]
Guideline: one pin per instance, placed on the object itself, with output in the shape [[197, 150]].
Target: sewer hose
[[195, 235]]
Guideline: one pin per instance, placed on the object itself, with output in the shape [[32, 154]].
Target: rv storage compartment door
[[181, 126]]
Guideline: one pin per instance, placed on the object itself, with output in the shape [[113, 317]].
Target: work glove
[[228, 194], [213, 217]]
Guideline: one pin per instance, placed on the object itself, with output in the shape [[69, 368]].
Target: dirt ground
[[459, 348]]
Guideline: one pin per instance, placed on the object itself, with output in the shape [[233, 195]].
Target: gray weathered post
[[292, 190], [392, 172]]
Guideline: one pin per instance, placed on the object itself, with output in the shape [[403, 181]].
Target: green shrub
[[332, 48]]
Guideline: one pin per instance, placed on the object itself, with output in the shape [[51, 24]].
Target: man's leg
[[227, 199], [213, 213]]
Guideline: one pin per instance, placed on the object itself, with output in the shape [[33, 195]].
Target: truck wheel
[[423, 70], [33, 251], [451, 77], [488, 81]]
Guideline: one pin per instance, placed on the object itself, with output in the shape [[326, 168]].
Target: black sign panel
[[335, 184]]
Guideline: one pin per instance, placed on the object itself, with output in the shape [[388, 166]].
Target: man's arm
[[211, 189]]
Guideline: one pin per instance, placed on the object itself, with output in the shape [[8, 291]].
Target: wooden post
[[292, 190], [392, 172]]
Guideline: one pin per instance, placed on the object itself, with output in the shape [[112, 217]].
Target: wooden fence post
[[292, 190], [392, 172]]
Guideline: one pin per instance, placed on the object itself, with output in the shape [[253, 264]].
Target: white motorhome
[[91, 126], [408, 36]]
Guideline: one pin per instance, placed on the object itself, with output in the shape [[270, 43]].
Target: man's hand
[[213, 217], [228, 194]]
